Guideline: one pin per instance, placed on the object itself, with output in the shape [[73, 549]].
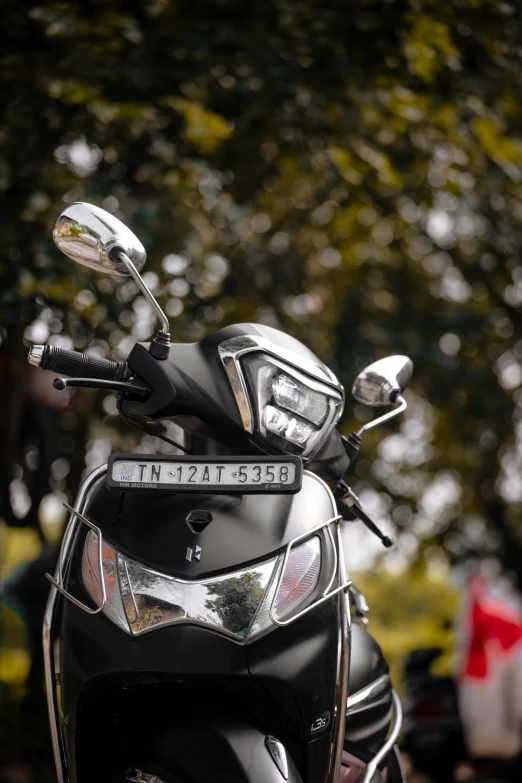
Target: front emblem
[[193, 554], [321, 723]]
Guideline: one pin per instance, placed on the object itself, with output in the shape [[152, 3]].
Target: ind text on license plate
[[203, 474]]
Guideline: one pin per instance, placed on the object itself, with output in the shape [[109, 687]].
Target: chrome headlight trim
[[194, 601], [230, 353], [241, 604]]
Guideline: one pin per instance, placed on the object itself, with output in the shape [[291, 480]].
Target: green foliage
[[348, 172], [411, 611]]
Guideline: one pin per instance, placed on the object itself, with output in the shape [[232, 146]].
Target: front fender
[[206, 751]]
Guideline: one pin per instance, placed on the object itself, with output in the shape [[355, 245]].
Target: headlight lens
[[288, 427], [294, 411], [140, 599], [296, 398]]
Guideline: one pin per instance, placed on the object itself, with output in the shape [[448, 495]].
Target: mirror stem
[[368, 426], [165, 326], [160, 346]]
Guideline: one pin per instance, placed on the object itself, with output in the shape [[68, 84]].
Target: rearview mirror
[[93, 237], [383, 381]]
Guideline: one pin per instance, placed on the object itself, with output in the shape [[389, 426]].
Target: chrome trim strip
[[192, 582], [246, 343], [131, 592], [345, 646], [392, 737], [336, 561], [35, 354], [50, 674], [230, 352], [207, 580], [239, 388], [353, 703]]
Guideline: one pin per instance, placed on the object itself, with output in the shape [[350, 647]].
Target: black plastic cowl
[[331, 461], [351, 445], [143, 364]]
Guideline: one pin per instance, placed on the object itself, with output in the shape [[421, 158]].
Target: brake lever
[[99, 383], [349, 502]]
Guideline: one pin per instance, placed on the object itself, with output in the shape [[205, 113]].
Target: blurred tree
[[348, 173], [412, 611]]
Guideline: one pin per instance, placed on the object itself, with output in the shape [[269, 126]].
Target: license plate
[[147, 472]]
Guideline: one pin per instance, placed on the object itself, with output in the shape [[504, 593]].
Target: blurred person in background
[[490, 683]]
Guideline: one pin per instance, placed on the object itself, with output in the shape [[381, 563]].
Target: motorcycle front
[[199, 625]]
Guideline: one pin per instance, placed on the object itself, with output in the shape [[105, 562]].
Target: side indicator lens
[[92, 581], [300, 577], [297, 585]]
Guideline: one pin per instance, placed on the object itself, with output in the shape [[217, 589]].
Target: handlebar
[[75, 364]]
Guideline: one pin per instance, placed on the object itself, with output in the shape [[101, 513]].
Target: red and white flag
[[490, 678]]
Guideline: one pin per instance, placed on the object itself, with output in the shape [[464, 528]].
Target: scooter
[[432, 734], [199, 626]]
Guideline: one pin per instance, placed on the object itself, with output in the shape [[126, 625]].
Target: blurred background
[[347, 172]]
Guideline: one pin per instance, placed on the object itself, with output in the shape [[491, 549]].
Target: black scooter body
[[366, 729], [192, 386], [265, 683], [121, 694]]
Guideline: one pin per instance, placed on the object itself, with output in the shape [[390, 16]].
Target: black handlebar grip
[[74, 364]]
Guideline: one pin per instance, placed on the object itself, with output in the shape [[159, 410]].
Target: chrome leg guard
[[388, 745], [50, 674], [344, 670]]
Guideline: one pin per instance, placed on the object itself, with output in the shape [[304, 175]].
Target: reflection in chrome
[[90, 235], [365, 698], [382, 382], [360, 603], [278, 753], [227, 602], [137, 776], [390, 741]]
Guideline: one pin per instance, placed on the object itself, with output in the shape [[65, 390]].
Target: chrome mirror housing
[[382, 382], [95, 238]]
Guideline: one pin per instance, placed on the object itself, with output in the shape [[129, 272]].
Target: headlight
[[238, 604], [294, 412], [284, 396], [293, 396]]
